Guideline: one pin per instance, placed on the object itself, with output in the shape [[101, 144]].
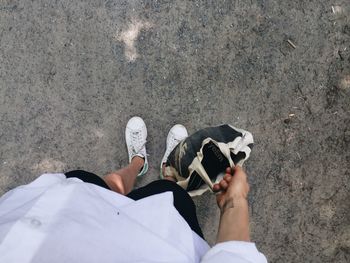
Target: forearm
[[234, 221]]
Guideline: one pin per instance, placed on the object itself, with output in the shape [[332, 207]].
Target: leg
[[123, 180], [169, 178]]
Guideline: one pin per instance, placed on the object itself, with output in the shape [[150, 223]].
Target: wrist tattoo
[[227, 205]]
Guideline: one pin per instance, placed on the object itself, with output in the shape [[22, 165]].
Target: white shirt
[[55, 219]]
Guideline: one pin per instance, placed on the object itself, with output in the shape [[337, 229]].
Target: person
[[80, 217]]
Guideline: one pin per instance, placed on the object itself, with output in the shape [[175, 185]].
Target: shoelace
[[136, 139]]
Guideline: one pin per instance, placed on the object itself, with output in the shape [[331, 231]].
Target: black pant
[[182, 201]]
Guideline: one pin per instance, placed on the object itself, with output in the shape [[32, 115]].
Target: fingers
[[216, 188], [227, 177], [223, 185]]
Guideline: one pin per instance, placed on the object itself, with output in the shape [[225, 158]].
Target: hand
[[233, 187]]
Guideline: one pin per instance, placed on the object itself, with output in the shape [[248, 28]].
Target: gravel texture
[[73, 72]]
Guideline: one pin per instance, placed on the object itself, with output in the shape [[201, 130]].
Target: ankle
[[163, 169], [137, 161], [169, 178]]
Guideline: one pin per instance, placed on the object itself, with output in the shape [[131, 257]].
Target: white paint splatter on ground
[[98, 133], [336, 9], [129, 36], [345, 82]]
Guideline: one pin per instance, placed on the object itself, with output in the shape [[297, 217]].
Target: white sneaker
[[176, 134], [135, 137]]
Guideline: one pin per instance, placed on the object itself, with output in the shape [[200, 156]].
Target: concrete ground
[[73, 72]]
